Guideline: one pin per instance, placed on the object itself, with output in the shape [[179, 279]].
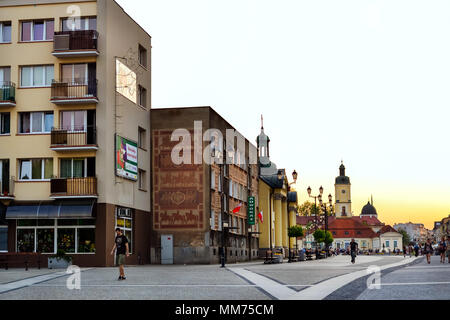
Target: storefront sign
[[251, 211], [126, 158]]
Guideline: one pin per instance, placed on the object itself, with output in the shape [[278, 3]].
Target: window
[[36, 76], [142, 135], [36, 169], [142, 179], [346, 233], [219, 221], [142, 96], [395, 244], [212, 220], [3, 239], [230, 184], [213, 179], [124, 221], [73, 120], [142, 56], [5, 76], [35, 122], [75, 73], [39, 30], [5, 32], [387, 243], [50, 235], [5, 121], [73, 168], [219, 183], [77, 24]]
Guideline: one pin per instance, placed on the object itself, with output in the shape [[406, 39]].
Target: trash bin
[[301, 255]]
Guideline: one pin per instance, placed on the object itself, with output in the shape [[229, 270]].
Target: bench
[[22, 260]]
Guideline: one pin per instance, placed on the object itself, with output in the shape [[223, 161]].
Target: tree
[[319, 236], [295, 231], [310, 209], [328, 238], [405, 237]]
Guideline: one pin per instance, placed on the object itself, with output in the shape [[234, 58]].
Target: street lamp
[[318, 220], [250, 233], [325, 218], [294, 176]]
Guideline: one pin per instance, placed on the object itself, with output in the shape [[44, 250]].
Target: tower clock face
[[343, 191]]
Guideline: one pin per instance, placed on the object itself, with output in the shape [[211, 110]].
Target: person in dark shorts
[[442, 248], [122, 250], [428, 250], [416, 250], [353, 249]]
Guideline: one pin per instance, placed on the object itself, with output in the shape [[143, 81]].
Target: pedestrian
[[416, 249], [404, 251], [428, 250], [122, 249], [442, 249], [353, 250], [448, 248]]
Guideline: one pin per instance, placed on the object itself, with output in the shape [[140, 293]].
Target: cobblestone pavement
[[421, 281], [244, 281]]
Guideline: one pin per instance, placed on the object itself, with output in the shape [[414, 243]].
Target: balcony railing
[[73, 187], [7, 188], [74, 92], [75, 43], [7, 93], [76, 139]]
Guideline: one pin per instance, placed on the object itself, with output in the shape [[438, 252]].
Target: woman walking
[[428, 248], [442, 249]]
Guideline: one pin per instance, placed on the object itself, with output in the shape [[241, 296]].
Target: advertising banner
[[126, 158]]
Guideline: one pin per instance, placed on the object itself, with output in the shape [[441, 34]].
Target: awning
[[64, 209]]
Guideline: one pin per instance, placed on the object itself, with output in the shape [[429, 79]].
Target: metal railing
[[78, 89], [7, 91], [76, 137], [75, 40], [7, 187], [73, 186]]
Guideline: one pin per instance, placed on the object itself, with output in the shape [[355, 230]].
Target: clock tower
[[343, 205]]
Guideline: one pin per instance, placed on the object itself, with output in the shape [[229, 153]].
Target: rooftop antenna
[[262, 123]]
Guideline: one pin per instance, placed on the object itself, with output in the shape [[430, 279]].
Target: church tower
[[266, 167], [342, 186]]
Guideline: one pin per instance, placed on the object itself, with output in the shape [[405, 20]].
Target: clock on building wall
[[343, 191]]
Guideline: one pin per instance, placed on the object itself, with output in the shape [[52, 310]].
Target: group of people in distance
[[427, 249]]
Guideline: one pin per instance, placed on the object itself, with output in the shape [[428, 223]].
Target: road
[[332, 278]]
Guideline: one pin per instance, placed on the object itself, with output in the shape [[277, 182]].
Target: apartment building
[[200, 208], [74, 129]]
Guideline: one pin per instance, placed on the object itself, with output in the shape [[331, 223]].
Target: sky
[[363, 81]]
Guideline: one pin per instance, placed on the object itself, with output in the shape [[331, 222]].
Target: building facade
[[416, 231], [75, 129], [201, 201]]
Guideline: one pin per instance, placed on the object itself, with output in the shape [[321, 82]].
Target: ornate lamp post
[[324, 220]]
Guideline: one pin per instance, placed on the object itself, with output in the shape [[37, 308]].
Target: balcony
[[74, 140], [73, 188], [7, 189], [68, 44], [7, 94], [74, 92]]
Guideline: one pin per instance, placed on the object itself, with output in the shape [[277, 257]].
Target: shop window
[[3, 239], [25, 240], [66, 240], [124, 221], [43, 235]]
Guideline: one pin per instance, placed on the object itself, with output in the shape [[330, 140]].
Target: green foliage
[[328, 238], [61, 255], [405, 236], [295, 232], [319, 235]]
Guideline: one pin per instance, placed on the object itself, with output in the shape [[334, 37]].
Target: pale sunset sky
[[363, 81]]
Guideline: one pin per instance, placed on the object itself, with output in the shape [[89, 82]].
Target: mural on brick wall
[[177, 189]]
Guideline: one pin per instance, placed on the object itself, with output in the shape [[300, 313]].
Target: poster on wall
[[126, 158], [126, 81]]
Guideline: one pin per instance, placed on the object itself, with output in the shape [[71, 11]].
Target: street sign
[[251, 211]]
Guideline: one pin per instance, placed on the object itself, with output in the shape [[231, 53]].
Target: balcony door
[[77, 168], [79, 24], [4, 177], [5, 75]]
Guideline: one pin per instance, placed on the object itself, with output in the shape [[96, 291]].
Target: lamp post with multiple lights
[[321, 220]]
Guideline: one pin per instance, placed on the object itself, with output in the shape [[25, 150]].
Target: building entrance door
[[166, 249]]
